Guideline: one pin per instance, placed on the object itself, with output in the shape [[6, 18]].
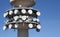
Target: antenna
[[22, 17]]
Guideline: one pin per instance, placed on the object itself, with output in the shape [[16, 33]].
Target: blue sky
[[49, 19]]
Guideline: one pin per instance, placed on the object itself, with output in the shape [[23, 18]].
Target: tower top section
[[23, 3]]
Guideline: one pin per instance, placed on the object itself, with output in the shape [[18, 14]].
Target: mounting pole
[[23, 30], [22, 33]]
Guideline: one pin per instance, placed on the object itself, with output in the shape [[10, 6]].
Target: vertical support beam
[[23, 33]]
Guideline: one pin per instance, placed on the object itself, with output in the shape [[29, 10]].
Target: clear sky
[[49, 19]]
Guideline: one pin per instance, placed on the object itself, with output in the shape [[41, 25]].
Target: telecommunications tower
[[22, 17]]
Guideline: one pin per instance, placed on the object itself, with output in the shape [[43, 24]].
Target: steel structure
[[22, 17]]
